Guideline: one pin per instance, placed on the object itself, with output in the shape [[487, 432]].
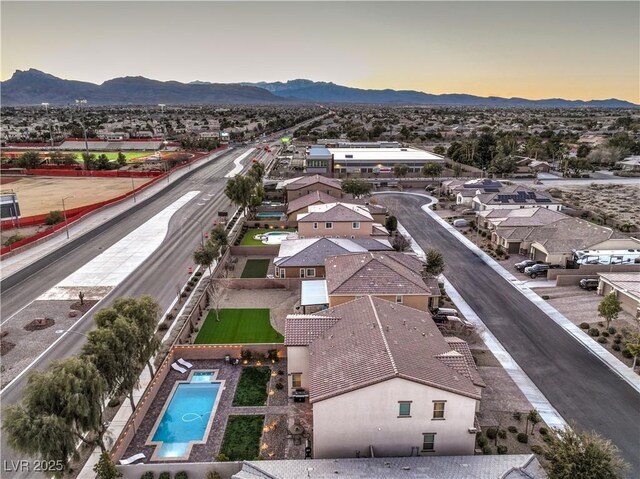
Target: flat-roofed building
[[380, 160]]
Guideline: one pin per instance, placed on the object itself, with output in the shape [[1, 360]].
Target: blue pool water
[[186, 417], [266, 214], [202, 377]]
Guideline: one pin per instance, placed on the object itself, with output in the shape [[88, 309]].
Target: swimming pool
[[267, 214], [276, 237], [187, 418]]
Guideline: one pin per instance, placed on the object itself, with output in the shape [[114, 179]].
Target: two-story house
[[339, 220]]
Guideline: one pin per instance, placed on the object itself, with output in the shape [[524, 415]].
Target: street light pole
[[64, 214], [133, 188]]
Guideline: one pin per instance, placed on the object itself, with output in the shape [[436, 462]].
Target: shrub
[[279, 386], [54, 217], [512, 429], [584, 325], [545, 297], [601, 325], [605, 334], [280, 372], [595, 332], [198, 274], [184, 294], [246, 354], [213, 475], [523, 438], [164, 475], [13, 239], [543, 431], [222, 457], [272, 355], [482, 441], [181, 475], [612, 330], [537, 449], [517, 415], [616, 347], [188, 288], [602, 340], [163, 326], [548, 438], [113, 402], [492, 432], [168, 317], [502, 449], [487, 450], [617, 340], [626, 353], [618, 336], [502, 434], [147, 475]]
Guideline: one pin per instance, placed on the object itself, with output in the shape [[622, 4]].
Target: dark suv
[[525, 264], [589, 284]]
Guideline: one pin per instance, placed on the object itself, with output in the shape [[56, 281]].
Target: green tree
[[102, 162], [391, 223], [400, 243], [439, 150], [122, 159], [634, 348], [239, 190], [219, 237], [105, 468], [29, 159], [356, 187], [207, 254], [486, 149], [578, 165], [583, 150], [457, 170], [502, 165], [534, 418], [59, 407], [573, 455], [435, 263], [400, 170], [432, 170], [256, 172], [609, 307], [89, 160]]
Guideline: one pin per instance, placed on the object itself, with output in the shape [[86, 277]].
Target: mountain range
[[33, 87]]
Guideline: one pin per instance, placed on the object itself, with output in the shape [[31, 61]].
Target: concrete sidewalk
[[29, 254]]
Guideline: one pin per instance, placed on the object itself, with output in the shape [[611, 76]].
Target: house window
[[404, 408], [399, 298], [438, 409], [328, 225], [302, 272], [311, 272], [315, 226], [277, 272], [296, 380], [428, 441], [283, 273], [355, 225]]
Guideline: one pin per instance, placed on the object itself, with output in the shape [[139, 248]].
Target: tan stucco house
[[339, 220], [304, 185], [383, 381]]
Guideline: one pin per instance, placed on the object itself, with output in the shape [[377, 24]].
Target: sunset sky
[[573, 50]]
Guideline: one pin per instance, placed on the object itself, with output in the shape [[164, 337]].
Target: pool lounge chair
[[178, 368], [184, 363], [132, 459]]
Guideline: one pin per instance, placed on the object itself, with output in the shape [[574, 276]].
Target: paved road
[[578, 385], [161, 276]]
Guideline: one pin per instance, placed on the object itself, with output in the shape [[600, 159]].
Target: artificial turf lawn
[[252, 387], [247, 239], [242, 437], [113, 155], [255, 268], [238, 326]]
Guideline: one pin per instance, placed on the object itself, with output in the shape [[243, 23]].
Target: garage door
[[514, 248], [538, 255], [628, 304]]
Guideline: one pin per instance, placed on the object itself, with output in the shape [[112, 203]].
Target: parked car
[[444, 311], [525, 264], [460, 223], [589, 284], [539, 269]]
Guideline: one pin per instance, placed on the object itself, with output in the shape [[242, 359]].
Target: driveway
[[581, 387]]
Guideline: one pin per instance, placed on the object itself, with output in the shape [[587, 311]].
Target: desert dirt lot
[[40, 195]]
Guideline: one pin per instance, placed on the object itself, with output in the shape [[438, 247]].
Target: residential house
[[339, 220], [383, 381], [394, 277], [466, 190], [301, 205], [297, 187], [526, 166], [630, 164], [514, 197], [304, 258], [627, 289]]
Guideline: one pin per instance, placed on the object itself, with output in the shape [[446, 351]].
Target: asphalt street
[[581, 387]]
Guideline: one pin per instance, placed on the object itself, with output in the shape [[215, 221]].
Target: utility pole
[[64, 214]]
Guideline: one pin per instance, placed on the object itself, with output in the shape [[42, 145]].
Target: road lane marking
[[238, 166]]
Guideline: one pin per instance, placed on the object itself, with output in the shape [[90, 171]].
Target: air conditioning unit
[[473, 430]]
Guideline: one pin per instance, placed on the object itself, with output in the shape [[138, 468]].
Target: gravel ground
[[31, 344]]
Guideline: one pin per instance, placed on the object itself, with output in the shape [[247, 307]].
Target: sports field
[[39, 195], [238, 326], [113, 155]]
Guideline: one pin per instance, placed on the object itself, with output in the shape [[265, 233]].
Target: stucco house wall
[[343, 229], [297, 362], [416, 301], [330, 190], [351, 422]]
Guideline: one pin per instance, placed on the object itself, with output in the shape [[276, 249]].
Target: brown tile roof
[[301, 329], [338, 212], [377, 340], [568, 234], [376, 273], [461, 346], [310, 180], [307, 200]]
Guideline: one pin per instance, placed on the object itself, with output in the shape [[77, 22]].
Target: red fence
[[78, 213]]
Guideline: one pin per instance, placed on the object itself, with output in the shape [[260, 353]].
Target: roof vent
[[406, 468]]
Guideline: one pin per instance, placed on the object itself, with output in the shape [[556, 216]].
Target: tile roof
[[523, 217], [305, 181], [568, 234], [308, 200], [626, 281], [509, 466], [335, 212], [377, 340], [315, 252], [462, 347], [302, 329], [377, 273]]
